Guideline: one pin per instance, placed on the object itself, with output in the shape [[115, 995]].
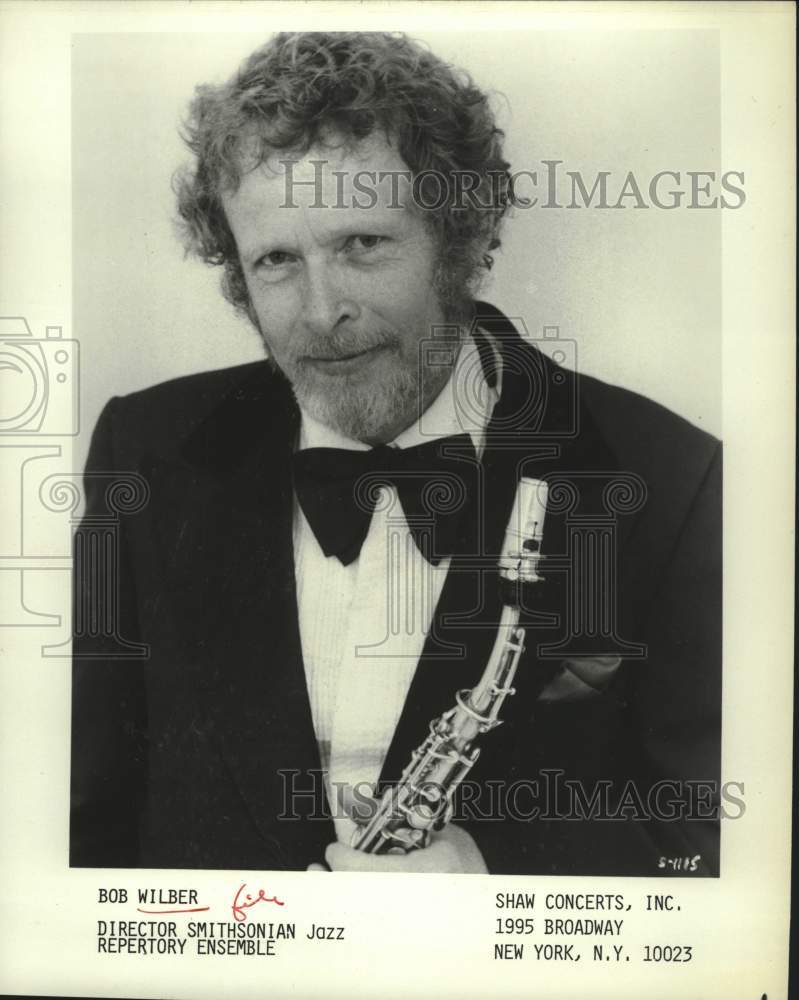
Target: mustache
[[344, 345]]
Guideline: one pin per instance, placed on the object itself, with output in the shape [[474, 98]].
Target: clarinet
[[422, 802]]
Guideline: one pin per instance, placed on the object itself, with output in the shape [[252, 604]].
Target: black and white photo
[[314, 569], [397, 450]]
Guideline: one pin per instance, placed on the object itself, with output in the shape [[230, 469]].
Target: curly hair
[[296, 88]]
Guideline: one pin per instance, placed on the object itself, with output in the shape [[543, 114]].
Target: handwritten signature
[[240, 905]]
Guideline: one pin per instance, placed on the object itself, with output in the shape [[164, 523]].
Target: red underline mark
[[196, 909]]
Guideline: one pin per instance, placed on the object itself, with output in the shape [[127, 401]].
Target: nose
[[327, 302]]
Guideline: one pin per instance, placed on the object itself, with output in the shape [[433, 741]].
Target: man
[[313, 575]]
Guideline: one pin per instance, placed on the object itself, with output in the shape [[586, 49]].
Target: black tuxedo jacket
[[191, 722]]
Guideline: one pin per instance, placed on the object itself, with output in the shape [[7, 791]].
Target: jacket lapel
[[231, 512], [538, 429]]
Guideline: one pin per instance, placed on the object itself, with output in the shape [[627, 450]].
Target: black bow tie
[[436, 483]]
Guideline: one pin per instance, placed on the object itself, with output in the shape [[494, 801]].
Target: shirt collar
[[464, 405]]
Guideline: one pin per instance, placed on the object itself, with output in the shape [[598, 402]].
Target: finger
[[453, 851], [314, 867], [346, 859], [436, 858]]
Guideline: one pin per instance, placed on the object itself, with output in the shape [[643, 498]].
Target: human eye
[[360, 244], [274, 266], [274, 261]]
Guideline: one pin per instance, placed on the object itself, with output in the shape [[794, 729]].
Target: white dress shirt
[[363, 626]]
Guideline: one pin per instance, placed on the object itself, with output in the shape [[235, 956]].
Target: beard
[[372, 406]]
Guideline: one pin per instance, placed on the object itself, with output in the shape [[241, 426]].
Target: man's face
[[343, 295]]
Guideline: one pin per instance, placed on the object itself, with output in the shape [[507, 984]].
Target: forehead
[[332, 185]]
